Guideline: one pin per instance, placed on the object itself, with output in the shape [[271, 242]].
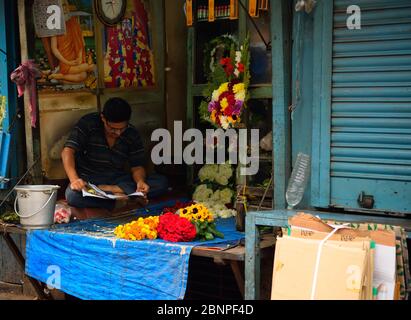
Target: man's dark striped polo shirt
[[94, 156]]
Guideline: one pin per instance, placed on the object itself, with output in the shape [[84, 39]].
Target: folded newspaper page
[[96, 192]]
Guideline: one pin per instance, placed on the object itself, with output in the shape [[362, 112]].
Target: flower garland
[[174, 228], [143, 228], [215, 50], [227, 90]]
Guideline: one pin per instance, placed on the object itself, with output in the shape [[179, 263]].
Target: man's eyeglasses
[[115, 130]]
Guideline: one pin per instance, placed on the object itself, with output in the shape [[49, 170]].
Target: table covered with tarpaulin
[[86, 260]]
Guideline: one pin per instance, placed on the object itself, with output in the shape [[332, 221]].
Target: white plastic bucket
[[36, 205]]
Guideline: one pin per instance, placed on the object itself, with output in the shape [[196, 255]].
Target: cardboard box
[[311, 223], [397, 238], [342, 269], [345, 237], [382, 258]]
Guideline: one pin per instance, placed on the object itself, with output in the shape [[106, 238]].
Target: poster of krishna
[[128, 57], [68, 61]]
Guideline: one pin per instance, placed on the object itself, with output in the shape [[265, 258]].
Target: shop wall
[[147, 102]]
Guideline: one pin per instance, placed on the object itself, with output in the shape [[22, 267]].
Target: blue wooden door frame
[[8, 45], [318, 145], [3, 58], [322, 82]]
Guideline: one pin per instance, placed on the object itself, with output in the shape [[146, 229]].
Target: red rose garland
[[172, 227]]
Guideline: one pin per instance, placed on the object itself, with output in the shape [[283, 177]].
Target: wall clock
[[110, 12]]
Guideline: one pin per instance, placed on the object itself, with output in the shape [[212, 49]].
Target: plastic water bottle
[[298, 180]]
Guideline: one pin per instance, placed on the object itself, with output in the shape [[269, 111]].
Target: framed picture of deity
[[67, 59], [128, 50]]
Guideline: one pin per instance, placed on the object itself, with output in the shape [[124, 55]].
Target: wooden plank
[[176, 61], [280, 218], [16, 245], [10, 270], [238, 272], [242, 25], [234, 254], [158, 36], [12, 296], [99, 27], [24, 57], [252, 259], [28, 288], [10, 288], [190, 93], [281, 101], [11, 228]]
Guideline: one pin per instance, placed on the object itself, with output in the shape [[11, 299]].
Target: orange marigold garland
[[143, 228]]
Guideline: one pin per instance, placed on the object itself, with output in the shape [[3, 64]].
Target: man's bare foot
[[106, 188], [132, 203], [141, 201], [122, 195]]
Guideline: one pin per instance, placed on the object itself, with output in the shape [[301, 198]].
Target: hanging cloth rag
[[25, 77]]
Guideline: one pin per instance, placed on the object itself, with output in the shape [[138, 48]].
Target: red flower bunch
[[172, 227]]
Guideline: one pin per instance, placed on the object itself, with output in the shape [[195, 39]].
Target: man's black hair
[[117, 110]]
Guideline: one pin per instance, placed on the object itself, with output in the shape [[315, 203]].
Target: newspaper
[[96, 192]]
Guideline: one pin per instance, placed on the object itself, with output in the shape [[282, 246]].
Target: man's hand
[[143, 187], [78, 185]]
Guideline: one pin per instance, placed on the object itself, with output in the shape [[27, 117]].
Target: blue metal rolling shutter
[[371, 106]]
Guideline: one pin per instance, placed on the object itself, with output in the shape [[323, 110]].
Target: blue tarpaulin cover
[[86, 260]]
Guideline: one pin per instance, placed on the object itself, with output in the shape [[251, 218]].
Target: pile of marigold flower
[[140, 229], [189, 223]]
